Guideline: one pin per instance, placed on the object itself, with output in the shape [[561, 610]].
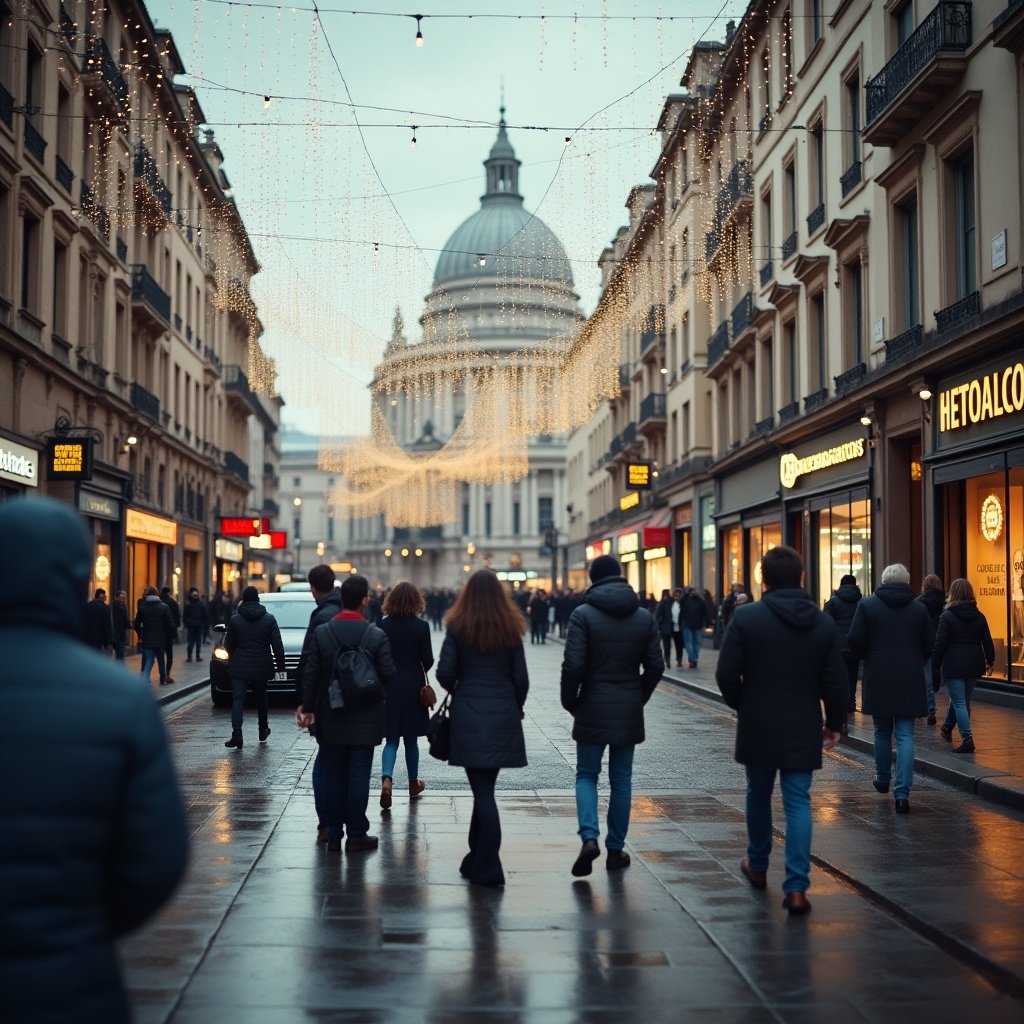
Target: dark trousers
[[852, 664], [346, 788], [169, 654], [195, 640], [538, 630], [482, 865], [259, 692], [119, 650], [677, 639], [666, 648]]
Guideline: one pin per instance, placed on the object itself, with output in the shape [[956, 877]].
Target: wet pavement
[[915, 917]]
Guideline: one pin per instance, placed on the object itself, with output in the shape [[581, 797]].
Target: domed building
[[502, 287]]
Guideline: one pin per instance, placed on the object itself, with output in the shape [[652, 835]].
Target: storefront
[[102, 511], [682, 524], [580, 579], [977, 472], [656, 543], [150, 541], [227, 568], [19, 468], [192, 560], [627, 546]]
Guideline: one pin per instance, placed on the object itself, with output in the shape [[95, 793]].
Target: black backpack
[[354, 681]]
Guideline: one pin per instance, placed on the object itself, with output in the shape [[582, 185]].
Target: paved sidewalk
[[187, 676]]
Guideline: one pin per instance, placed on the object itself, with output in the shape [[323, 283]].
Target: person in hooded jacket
[[778, 702], [693, 618], [611, 665], [933, 597], [92, 827], [155, 628], [840, 607], [964, 650], [893, 634], [196, 622], [99, 625], [253, 643], [663, 620]]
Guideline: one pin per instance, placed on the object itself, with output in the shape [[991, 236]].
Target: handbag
[[428, 698], [439, 731]]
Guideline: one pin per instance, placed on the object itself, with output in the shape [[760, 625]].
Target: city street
[[914, 917]]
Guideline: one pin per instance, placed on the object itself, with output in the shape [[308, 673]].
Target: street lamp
[[297, 503]]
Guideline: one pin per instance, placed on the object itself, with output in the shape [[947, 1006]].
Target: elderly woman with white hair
[[893, 634]]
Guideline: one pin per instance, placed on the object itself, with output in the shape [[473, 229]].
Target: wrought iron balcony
[[98, 61], [35, 144], [789, 246], [719, 343], [1008, 27], [628, 435], [615, 447], [122, 250], [904, 345], [919, 74], [849, 379], [815, 400], [6, 107], [766, 121], [67, 27], [740, 183], [94, 211], [789, 412], [236, 385], [271, 509], [234, 464], [767, 272], [959, 312], [742, 315], [145, 402], [711, 242], [177, 322], [625, 376], [654, 328], [145, 290], [65, 176], [652, 409], [815, 219], [850, 178], [765, 426], [147, 172]]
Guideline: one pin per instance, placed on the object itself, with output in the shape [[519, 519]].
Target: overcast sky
[[347, 225]]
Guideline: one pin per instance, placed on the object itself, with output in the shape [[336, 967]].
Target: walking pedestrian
[[965, 652], [933, 597], [253, 643], [99, 626], [663, 620], [693, 617], [172, 605], [197, 623], [840, 607], [483, 665], [405, 717], [612, 664], [778, 701], [347, 737], [892, 633], [121, 622], [92, 828], [155, 627], [538, 610]]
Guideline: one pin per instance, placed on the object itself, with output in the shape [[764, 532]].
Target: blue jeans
[[796, 801], [346, 788], [149, 655], [959, 713], [239, 688], [195, 640], [904, 729], [390, 755], [692, 638], [620, 781], [929, 690]]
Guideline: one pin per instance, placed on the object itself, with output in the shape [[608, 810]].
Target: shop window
[[760, 539], [708, 566], [732, 557], [843, 534]]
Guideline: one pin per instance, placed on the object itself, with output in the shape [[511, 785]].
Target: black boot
[[235, 741], [264, 731]]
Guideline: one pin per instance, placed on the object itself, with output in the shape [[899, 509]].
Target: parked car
[[292, 610]]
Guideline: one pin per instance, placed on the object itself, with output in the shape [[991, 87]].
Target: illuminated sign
[[651, 553], [602, 547], [340, 567], [628, 501], [638, 476], [991, 518], [1000, 393], [98, 506], [69, 458], [516, 576], [629, 543], [19, 463], [792, 467], [269, 540], [228, 550], [145, 526], [244, 526], [657, 536]]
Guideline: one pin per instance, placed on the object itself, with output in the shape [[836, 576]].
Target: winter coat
[[538, 609], [840, 607], [935, 602], [92, 828], [612, 664], [154, 624], [253, 640], [893, 634], [99, 626], [172, 607], [360, 728], [663, 617], [779, 662], [488, 694], [326, 609], [121, 621], [963, 643], [194, 614], [693, 614], [409, 637]]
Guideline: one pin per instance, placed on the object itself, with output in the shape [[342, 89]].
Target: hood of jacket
[[933, 600], [252, 611], [793, 605], [965, 611], [613, 596], [47, 562], [151, 599], [895, 595], [849, 592]]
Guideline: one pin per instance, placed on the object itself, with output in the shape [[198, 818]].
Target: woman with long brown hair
[[483, 665]]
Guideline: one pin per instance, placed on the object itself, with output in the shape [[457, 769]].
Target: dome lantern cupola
[[502, 167]]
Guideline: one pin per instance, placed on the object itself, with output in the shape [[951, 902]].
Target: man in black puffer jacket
[[253, 643], [92, 828], [155, 628], [840, 607], [611, 666]]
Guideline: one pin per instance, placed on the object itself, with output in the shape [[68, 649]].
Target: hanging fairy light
[[413, 141], [419, 31], [481, 259]]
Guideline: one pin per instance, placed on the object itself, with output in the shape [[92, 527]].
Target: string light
[[419, 32], [266, 102], [481, 259], [414, 127]]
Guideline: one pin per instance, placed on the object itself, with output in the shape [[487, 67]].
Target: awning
[[657, 531], [663, 517]]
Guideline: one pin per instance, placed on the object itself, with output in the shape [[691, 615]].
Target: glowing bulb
[[405, 552], [925, 394], [568, 140], [481, 260], [664, 369], [132, 439], [414, 127], [266, 102], [865, 420], [418, 552], [387, 552], [419, 33]]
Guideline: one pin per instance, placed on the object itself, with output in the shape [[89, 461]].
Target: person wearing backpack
[[338, 661]]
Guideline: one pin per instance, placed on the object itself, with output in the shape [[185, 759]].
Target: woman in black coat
[[964, 649], [840, 607], [933, 597], [663, 617], [483, 665], [405, 717]]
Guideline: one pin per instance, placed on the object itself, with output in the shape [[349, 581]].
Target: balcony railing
[[625, 376], [122, 250], [766, 121], [850, 178], [145, 289], [815, 218], [65, 176], [815, 400], [719, 343], [234, 464], [960, 311], [148, 173], [654, 327], [740, 183], [762, 427], [767, 272], [789, 412], [99, 61], [628, 435], [236, 381], [652, 407], [96, 212], [34, 142], [742, 314], [711, 242], [6, 107], [849, 379], [271, 509], [145, 402], [789, 246], [946, 30], [904, 345]]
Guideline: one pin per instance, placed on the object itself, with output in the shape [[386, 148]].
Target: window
[[465, 519], [766, 68], [904, 23], [817, 164], [685, 343], [545, 513], [685, 441], [817, 351], [787, 55], [60, 289], [790, 208], [910, 286], [6, 43], [64, 124], [851, 96], [34, 86], [516, 518], [965, 225], [6, 244], [767, 372], [297, 481], [29, 263], [766, 224], [723, 418], [853, 297], [815, 13], [790, 384], [487, 519]]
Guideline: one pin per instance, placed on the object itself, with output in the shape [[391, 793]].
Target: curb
[[185, 690]]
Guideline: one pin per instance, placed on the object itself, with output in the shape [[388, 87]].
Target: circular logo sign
[[102, 569], [789, 469], [991, 518]]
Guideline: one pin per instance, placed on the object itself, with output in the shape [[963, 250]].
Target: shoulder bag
[[439, 731]]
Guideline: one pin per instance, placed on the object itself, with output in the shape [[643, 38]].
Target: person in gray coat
[[483, 666], [92, 828], [612, 664], [893, 634], [253, 643]]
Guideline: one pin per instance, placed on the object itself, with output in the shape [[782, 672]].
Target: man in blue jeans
[[612, 664], [779, 662]]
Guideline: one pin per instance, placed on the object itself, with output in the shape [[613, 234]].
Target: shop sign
[[652, 553], [792, 467], [268, 541], [191, 540], [991, 518], [228, 550], [69, 458], [638, 475], [141, 525], [629, 545], [683, 515], [657, 536], [982, 399], [98, 506], [628, 501], [602, 547], [341, 568], [244, 526], [19, 463], [516, 575]]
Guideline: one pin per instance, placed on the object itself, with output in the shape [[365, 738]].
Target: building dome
[[516, 245]]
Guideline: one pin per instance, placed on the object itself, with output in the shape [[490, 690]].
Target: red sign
[[657, 537], [243, 526], [267, 541]]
